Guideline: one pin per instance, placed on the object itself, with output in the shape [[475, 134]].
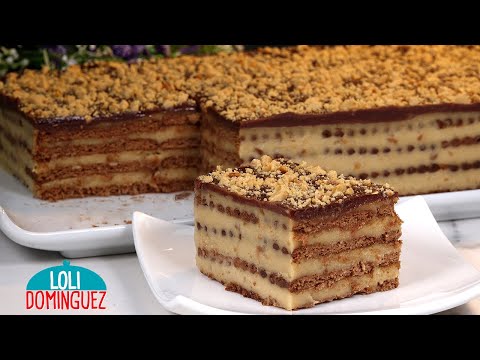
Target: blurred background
[[19, 57]]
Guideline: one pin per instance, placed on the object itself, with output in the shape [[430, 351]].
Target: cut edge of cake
[[257, 242]]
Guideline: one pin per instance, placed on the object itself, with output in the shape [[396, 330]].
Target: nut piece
[[332, 174], [206, 179]]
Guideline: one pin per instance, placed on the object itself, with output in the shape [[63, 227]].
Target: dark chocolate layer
[[334, 209], [383, 114], [76, 122]]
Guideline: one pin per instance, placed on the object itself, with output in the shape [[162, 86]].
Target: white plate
[[100, 225], [452, 205], [433, 276], [81, 227]]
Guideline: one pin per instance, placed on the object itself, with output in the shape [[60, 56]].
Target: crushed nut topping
[[294, 185], [249, 86], [100, 89], [312, 80]]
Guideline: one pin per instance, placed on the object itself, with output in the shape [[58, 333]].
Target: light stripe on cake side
[[235, 277]]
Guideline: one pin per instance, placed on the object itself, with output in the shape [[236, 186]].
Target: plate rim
[[184, 305], [76, 241]]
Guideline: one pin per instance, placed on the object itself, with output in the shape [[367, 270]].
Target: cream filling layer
[[424, 130], [141, 177], [269, 226], [261, 237], [272, 227], [374, 228], [375, 253], [115, 158], [275, 261], [307, 298], [17, 169], [440, 181], [16, 125], [368, 163], [20, 154]]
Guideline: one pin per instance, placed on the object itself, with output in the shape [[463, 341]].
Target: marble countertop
[[465, 236], [128, 291]]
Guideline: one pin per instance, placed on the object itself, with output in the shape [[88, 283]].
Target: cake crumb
[[182, 195]]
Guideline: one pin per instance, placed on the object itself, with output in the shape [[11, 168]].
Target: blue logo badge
[[66, 287]]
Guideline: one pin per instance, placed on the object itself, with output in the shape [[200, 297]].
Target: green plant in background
[[19, 57], [10, 60]]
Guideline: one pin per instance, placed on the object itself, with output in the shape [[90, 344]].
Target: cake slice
[[293, 235]]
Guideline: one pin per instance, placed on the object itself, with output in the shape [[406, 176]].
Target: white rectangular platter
[[82, 227], [101, 225]]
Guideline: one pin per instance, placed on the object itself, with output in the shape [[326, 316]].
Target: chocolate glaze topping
[[296, 214], [296, 190], [385, 114], [272, 87], [75, 122]]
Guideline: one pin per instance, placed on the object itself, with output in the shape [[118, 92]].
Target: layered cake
[[294, 235], [105, 129], [407, 115]]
